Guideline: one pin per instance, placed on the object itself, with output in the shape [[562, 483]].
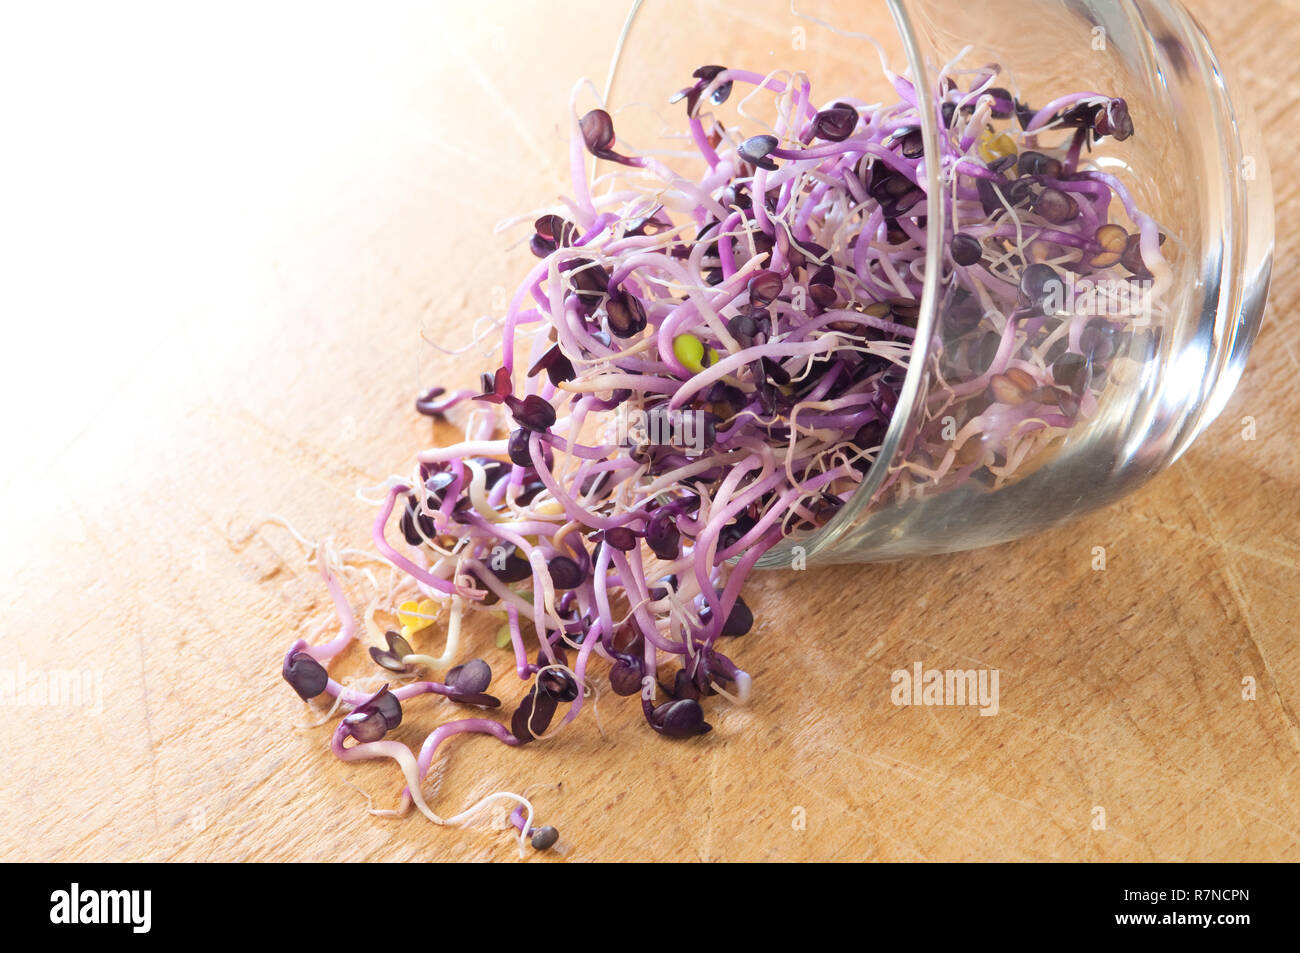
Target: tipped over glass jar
[[1092, 221]]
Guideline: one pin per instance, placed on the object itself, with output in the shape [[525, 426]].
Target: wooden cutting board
[[233, 328]]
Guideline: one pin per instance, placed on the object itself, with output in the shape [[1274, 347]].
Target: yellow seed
[[416, 616], [550, 508], [1005, 390], [995, 147], [689, 349], [1021, 378], [1112, 238], [503, 636]]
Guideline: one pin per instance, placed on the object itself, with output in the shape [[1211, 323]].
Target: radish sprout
[[699, 368]]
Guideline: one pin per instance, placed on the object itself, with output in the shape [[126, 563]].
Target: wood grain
[[302, 213]]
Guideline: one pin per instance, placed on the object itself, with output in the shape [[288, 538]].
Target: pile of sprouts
[[700, 367]]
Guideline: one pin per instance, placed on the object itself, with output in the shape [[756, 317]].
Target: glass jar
[[1021, 410]]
